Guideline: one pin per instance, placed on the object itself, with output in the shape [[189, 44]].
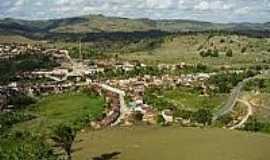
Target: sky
[[222, 11]]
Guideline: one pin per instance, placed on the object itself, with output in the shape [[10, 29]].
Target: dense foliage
[[23, 145], [8, 119], [254, 125], [224, 82], [19, 101], [258, 84]]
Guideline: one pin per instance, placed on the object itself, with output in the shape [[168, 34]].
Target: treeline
[[98, 48], [249, 32], [43, 34]]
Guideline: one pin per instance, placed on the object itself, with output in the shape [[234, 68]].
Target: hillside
[[170, 143], [186, 48], [99, 23]]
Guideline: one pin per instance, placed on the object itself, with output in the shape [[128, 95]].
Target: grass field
[[64, 108], [171, 143], [187, 99]]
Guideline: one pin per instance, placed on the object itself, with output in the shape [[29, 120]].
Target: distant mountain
[[101, 24]]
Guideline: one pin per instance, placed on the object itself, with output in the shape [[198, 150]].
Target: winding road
[[250, 112], [230, 103], [235, 95]]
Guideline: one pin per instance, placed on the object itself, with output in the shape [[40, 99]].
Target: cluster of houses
[[137, 84], [134, 89], [117, 111], [10, 50]]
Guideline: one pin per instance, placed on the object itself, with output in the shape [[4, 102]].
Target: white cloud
[[202, 6], [243, 11], [216, 5], [159, 4], [207, 10], [20, 2]]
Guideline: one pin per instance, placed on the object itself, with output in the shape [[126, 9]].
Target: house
[[139, 88]]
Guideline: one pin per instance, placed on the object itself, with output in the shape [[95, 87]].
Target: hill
[[100, 23]]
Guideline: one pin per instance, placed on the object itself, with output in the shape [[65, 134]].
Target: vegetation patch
[[64, 108], [182, 98], [32, 128]]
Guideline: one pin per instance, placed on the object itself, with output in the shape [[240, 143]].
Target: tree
[[208, 52], [229, 53], [64, 137], [200, 68], [222, 40], [203, 116], [215, 53], [244, 49]]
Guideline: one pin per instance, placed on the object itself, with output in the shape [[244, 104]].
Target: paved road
[[236, 92], [231, 101]]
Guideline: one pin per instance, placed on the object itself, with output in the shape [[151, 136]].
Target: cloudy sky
[[206, 10]]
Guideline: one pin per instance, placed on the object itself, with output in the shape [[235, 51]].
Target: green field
[[63, 108], [171, 143], [188, 99], [184, 98]]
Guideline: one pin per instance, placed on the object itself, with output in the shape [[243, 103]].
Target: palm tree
[[64, 137]]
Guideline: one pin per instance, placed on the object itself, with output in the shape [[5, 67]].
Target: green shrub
[[21, 100], [229, 53], [203, 116], [254, 125], [215, 53], [23, 145], [8, 119], [244, 49]]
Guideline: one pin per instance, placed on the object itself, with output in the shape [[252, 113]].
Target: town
[[129, 80], [73, 76]]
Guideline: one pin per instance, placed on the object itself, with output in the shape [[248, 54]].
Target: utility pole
[[80, 49]]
